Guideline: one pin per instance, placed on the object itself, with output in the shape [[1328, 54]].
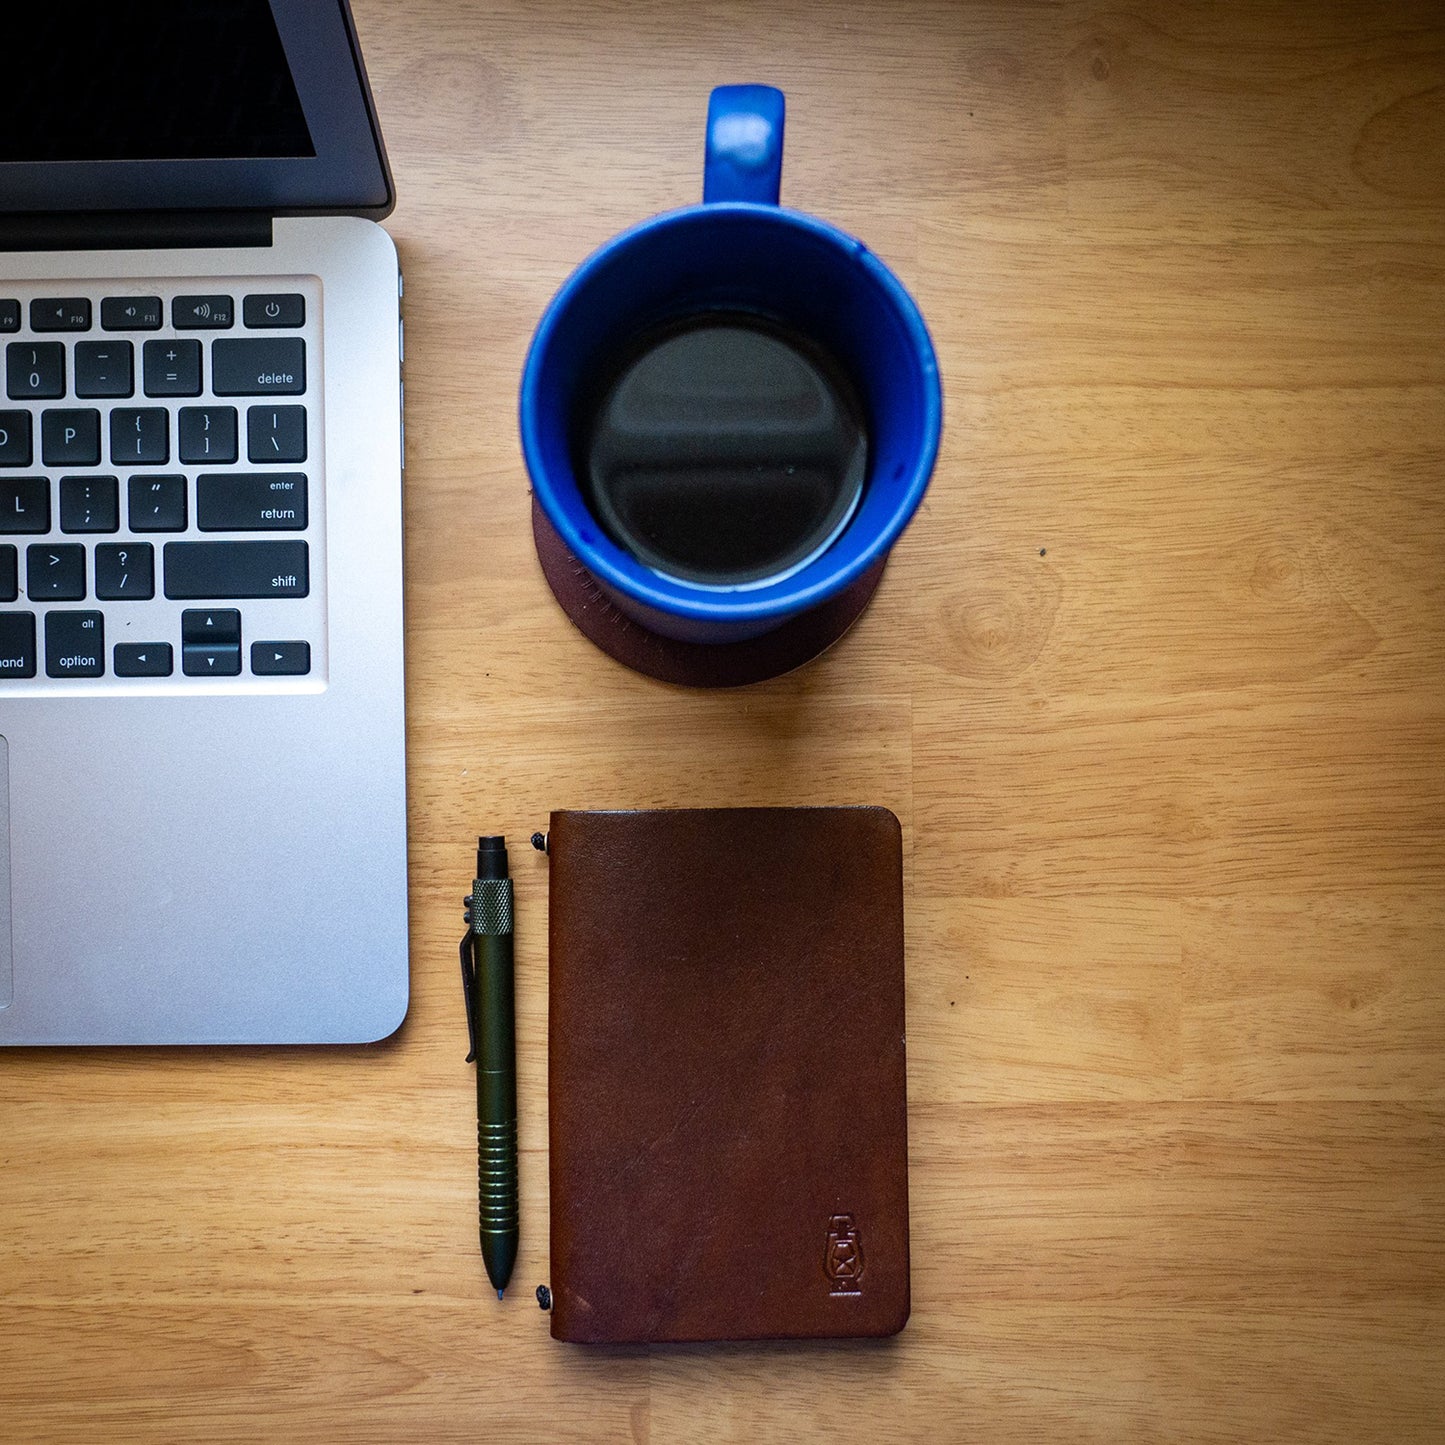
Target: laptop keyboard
[[161, 505]]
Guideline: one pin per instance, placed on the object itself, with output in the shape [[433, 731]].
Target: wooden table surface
[[1155, 682]]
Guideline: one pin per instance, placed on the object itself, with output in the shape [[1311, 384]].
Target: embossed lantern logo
[[843, 1257]]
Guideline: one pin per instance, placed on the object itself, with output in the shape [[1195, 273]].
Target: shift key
[[217, 570], [258, 366]]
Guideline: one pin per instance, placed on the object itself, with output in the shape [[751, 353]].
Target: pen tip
[[499, 1294]]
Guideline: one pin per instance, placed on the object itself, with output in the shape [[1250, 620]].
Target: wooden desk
[[1156, 682]]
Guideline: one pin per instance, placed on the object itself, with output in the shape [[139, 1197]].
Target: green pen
[[487, 978]]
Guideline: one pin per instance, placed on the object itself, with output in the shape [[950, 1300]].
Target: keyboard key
[[276, 433], [74, 644], [211, 625], [70, 438], [206, 434], [130, 313], [55, 571], [171, 368], [17, 644], [104, 368], [274, 309], [157, 504], [125, 571], [202, 313], [280, 659], [60, 313], [258, 366], [211, 661], [251, 502], [9, 315], [142, 659], [9, 573], [236, 569], [211, 642], [15, 444], [35, 370], [24, 504], [140, 436], [89, 504]]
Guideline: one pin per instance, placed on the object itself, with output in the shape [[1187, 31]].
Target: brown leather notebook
[[727, 1096]]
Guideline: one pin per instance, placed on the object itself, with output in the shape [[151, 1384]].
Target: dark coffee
[[723, 450]]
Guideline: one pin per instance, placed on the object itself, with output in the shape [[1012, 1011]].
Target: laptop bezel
[[348, 175]]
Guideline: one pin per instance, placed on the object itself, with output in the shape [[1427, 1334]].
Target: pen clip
[[469, 973]]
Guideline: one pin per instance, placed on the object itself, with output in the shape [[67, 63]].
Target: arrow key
[[198, 661], [142, 659], [280, 659], [211, 642]]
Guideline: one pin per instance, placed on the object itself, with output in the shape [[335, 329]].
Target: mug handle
[[744, 156]]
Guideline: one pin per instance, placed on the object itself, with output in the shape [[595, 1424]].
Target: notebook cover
[[727, 1095]]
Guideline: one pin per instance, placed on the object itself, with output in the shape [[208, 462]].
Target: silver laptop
[[202, 804]]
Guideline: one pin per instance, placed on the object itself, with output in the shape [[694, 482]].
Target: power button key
[[273, 309]]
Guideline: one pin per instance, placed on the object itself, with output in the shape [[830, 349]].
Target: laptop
[[202, 768]]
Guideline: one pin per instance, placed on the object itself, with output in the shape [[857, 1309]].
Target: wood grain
[[1155, 682]]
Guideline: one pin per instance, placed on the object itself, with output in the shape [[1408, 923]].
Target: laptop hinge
[[132, 230]]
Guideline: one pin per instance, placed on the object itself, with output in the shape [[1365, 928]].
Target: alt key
[[280, 659], [74, 644]]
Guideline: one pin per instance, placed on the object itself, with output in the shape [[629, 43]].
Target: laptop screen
[[182, 105], [150, 80]]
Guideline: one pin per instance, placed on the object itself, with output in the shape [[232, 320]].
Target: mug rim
[[815, 582]]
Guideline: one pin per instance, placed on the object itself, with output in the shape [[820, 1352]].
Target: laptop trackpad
[[7, 971]]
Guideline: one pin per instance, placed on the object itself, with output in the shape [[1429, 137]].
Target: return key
[[251, 501]]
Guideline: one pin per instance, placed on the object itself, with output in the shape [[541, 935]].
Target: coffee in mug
[[723, 450]]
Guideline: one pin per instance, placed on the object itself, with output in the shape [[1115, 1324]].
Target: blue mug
[[737, 252]]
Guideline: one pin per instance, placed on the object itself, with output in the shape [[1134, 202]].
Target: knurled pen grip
[[488, 976]]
